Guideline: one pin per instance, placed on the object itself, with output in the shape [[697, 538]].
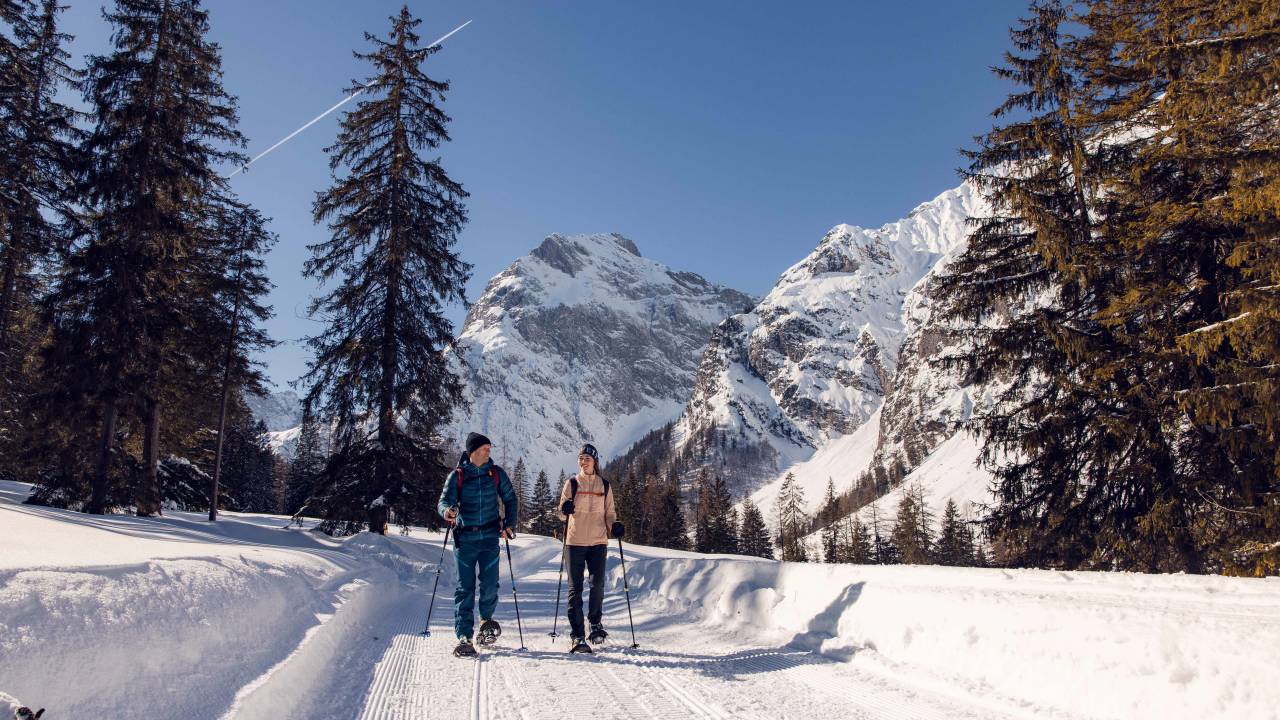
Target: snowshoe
[[578, 645], [598, 634], [489, 632], [465, 649]]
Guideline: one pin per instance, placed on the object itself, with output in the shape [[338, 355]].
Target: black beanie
[[590, 451], [475, 440]]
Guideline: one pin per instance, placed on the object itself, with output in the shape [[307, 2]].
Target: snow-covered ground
[[112, 617]]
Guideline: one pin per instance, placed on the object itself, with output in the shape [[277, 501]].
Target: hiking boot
[[578, 645], [598, 634]]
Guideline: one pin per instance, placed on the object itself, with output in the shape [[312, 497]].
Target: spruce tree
[[542, 510], [38, 160], [828, 520], [231, 302], [860, 549], [629, 497], [1038, 254], [753, 534], [791, 520], [955, 545], [249, 466], [667, 527], [884, 551], [1191, 207], [520, 482], [119, 308], [394, 219], [308, 460]]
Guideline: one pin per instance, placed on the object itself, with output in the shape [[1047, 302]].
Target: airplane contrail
[[324, 114]]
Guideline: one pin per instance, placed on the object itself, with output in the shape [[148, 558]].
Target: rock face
[[280, 411], [583, 339], [826, 348]]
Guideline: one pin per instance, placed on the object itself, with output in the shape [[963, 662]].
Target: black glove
[[618, 529], [566, 508]]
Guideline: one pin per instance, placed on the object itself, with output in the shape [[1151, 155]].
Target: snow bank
[[102, 615], [1100, 645]]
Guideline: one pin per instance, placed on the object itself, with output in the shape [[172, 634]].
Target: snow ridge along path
[[102, 615]]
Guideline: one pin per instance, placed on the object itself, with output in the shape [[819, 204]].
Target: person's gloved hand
[[451, 514], [566, 508], [509, 533], [618, 529]]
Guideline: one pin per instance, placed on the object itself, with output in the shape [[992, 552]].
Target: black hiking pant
[[590, 558]]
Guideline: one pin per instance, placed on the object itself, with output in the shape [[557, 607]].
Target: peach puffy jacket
[[593, 512]]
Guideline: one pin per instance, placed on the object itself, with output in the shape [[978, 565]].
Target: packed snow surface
[[115, 616]]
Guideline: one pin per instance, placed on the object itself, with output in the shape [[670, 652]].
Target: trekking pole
[[515, 597], [439, 569], [556, 617], [627, 590]]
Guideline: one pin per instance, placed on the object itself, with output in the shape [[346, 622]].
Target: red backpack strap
[[458, 470], [493, 473]]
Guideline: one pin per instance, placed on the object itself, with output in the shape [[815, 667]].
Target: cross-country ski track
[[245, 619]]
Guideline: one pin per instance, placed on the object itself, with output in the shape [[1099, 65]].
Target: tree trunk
[[148, 500], [378, 519], [102, 477], [226, 393]]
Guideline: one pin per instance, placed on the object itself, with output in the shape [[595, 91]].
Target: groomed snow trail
[[678, 672]]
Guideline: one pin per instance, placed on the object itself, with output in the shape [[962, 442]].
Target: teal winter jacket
[[478, 503]]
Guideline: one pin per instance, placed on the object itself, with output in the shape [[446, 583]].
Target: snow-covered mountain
[[583, 339], [279, 411], [814, 360], [282, 414]]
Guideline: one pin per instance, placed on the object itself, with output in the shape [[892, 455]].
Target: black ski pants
[[590, 558]]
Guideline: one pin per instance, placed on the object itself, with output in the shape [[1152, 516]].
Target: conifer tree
[[542, 510], [38, 159], [884, 551], [906, 532], [955, 544], [829, 521], [714, 530], [1133, 200], [231, 301], [308, 460], [668, 526], [629, 500], [753, 534], [520, 482], [1045, 239], [394, 219], [250, 467], [120, 306], [1191, 206], [791, 520], [860, 549]]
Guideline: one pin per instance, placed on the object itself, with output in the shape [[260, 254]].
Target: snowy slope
[[101, 616], [581, 340], [950, 472], [815, 359], [839, 460]]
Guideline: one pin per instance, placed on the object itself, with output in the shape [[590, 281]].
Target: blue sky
[[723, 137]]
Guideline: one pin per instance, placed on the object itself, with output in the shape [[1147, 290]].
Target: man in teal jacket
[[469, 502]]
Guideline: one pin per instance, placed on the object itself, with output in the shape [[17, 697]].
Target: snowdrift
[[1074, 644]]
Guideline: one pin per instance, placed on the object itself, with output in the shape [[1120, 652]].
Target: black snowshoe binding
[[465, 649], [489, 632], [578, 645], [598, 634]]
